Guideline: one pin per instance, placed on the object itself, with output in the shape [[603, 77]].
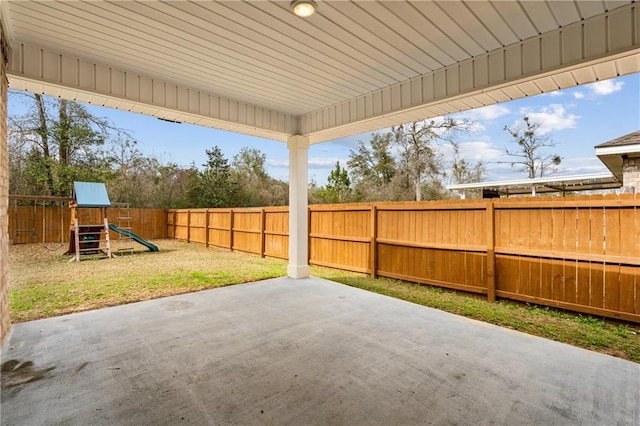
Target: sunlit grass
[[44, 284]]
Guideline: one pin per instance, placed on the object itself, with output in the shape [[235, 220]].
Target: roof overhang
[[612, 157], [255, 68]]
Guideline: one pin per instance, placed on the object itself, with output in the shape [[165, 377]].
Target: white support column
[[298, 202]]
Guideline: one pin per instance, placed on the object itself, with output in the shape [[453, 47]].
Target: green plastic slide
[[147, 244]]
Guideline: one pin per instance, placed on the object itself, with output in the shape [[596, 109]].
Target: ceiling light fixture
[[304, 8]]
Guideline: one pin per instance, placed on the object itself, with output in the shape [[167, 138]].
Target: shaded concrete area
[[305, 352]]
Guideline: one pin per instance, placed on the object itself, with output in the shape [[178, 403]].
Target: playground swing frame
[[19, 229], [33, 202]]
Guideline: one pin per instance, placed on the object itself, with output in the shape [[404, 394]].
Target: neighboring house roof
[[630, 139], [91, 194], [611, 153]]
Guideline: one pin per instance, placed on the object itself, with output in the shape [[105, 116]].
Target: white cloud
[[481, 151], [326, 162], [578, 95], [582, 165], [487, 113], [277, 163], [475, 151], [605, 87], [556, 93], [551, 118]]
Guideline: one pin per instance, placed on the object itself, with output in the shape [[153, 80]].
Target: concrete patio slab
[[301, 352]]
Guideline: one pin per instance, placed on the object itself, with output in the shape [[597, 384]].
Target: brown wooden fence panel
[[433, 243], [276, 232], [181, 225], [219, 228], [340, 237], [247, 231], [198, 226]]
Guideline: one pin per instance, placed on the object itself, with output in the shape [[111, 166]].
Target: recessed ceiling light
[[304, 8]]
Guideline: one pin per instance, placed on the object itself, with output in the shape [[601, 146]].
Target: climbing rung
[[126, 249], [124, 218]]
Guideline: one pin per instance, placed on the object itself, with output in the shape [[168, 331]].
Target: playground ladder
[[123, 217]]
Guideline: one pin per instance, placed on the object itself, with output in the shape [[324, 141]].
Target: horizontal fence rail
[[577, 253]]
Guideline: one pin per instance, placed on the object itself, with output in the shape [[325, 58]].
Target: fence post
[[173, 225], [188, 226], [231, 230], [491, 252], [308, 234], [206, 228], [262, 229], [373, 248]]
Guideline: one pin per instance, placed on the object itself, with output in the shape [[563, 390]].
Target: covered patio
[[309, 352]]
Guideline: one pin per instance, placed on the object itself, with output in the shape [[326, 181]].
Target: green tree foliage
[[215, 187], [530, 153], [256, 187], [337, 190], [373, 164], [146, 181], [407, 162], [55, 143]]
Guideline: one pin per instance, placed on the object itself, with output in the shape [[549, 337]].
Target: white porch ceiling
[[254, 67]]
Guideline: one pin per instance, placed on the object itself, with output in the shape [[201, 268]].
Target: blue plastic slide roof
[[91, 194]]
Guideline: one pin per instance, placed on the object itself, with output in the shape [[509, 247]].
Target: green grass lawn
[[44, 284]]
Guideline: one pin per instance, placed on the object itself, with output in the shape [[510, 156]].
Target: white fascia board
[[618, 150]]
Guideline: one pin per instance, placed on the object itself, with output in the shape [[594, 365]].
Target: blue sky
[[577, 119]]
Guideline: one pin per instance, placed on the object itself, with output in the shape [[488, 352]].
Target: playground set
[[88, 232]]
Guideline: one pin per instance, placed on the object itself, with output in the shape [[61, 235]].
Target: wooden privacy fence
[[263, 231], [576, 253], [38, 222]]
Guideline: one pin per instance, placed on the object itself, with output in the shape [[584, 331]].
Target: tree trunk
[[418, 188], [63, 134], [44, 137]]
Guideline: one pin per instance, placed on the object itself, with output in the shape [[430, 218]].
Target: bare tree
[[530, 154], [420, 159], [465, 171]]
